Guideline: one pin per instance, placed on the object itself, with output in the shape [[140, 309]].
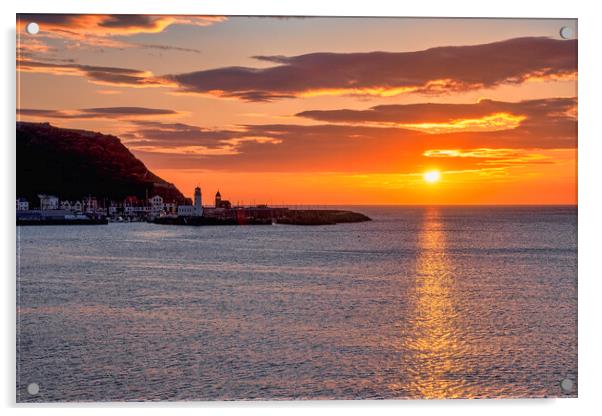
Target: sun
[[432, 176]]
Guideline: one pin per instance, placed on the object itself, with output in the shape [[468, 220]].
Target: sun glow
[[432, 176]]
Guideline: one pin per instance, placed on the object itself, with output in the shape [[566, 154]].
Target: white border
[[590, 209], [458, 8]]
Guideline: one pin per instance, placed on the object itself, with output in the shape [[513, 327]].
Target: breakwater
[[267, 217]]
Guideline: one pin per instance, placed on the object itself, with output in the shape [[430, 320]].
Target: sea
[[423, 302]]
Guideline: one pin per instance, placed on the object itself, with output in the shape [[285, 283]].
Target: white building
[[185, 210], [195, 210], [78, 206], [128, 205], [22, 204], [156, 205], [132, 207], [198, 202], [140, 210], [171, 208], [48, 202]]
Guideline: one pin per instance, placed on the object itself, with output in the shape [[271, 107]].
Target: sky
[[318, 111]]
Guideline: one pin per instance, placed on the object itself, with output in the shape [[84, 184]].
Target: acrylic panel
[[283, 208]]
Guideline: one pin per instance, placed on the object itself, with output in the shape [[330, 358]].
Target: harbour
[[52, 211]]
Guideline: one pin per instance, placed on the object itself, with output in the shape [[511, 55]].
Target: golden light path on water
[[434, 340]]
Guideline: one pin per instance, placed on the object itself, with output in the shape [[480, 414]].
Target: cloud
[[77, 31], [30, 47], [90, 113], [485, 115], [548, 124], [179, 134], [164, 47], [82, 25], [496, 157], [97, 74], [322, 148], [433, 71], [184, 139]]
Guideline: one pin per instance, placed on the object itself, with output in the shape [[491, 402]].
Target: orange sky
[[319, 110]]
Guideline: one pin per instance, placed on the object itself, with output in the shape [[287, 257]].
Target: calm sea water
[[423, 302]]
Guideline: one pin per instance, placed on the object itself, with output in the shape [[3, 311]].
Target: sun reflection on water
[[433, 343]]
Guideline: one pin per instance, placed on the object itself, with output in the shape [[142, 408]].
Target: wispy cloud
[[485, 115], [90, 113], [164, 47], [497, 157], [77, 31], [81, 25], [30, 47], [188, 140], [546, 124], [97, 74]]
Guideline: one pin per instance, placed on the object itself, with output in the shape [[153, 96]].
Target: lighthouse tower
[[218, 200], [198, 202]]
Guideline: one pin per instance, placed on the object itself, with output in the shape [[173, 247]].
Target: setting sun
[[432, 176]]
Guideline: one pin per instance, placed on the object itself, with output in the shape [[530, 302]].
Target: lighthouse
[[198, 202]]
